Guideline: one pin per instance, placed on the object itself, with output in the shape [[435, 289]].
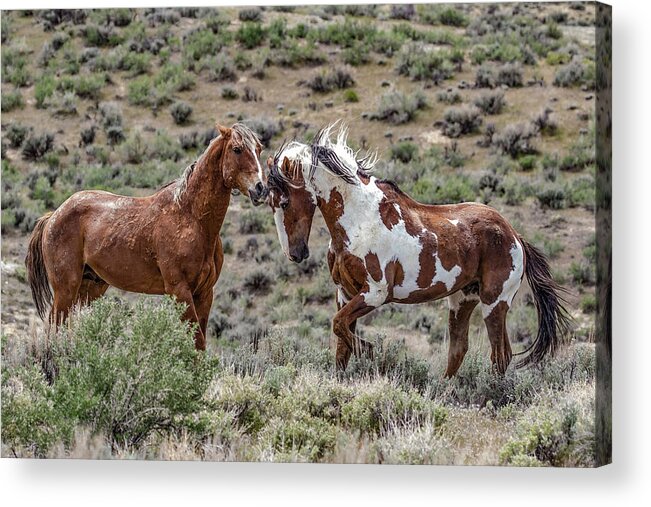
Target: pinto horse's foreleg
[[342, 349], [347, 342], [461, 307]]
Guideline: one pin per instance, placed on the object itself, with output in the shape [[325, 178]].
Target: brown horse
[[166, 243], [385, 247]]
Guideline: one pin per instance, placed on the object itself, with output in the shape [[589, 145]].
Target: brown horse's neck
[[207, 196]]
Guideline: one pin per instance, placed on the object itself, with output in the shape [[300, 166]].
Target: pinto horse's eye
[[284, 203], [237, 149]]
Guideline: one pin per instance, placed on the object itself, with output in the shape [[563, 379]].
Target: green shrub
[[527, 162], [452, 17], [221, 68], [123, 372], [461, 120], [574, 73], [552, 196], [229, 93], [250, 35], [491, 102], [16, 134], [250, 14], [421, 63], [181, 112], [253, 222], [326, 81], [62, 104], [257, 282], [11, 101], [450, 189], [37, 145], [510, 74], [199, 44], [351, 96], [404, 151], [449, 96], [265, 127], [396, 107], [589, 303], [516, 139]]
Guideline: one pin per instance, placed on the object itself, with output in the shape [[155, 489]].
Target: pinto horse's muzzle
[[299, 253], [258, 194]]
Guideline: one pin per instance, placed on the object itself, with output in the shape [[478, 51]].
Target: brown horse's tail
[[553, 319], [36, 273]]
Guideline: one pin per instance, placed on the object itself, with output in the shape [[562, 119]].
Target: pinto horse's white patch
[[279, 218], [512, 283]]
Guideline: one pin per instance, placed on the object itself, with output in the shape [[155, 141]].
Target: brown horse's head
[[241, 162], [292, 204]]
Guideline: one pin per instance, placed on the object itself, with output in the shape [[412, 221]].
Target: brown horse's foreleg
[[347, 342], [500, 347], [90, 290], [183, 294], [461, 307], [203, 303]]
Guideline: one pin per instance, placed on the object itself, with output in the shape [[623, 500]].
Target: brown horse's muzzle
[[258, 194]]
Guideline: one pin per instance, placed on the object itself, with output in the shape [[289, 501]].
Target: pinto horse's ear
[[270, 162], [286, 165], [224, 131]]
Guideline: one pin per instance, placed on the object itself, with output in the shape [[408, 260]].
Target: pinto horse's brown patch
[[373, 266], [388, 213]]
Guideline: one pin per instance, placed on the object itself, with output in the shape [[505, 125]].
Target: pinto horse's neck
[[347, 208], [207, 197]]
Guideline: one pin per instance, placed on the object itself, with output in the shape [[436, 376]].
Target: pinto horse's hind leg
[[461, 307], [500, 347]]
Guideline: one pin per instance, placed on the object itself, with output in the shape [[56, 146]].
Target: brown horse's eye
[[237, 149]]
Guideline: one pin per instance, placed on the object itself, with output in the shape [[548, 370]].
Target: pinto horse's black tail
[[554, 321], [36, 273]]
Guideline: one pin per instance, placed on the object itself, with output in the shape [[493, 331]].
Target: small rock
[[589, 97], [385, 84], [583, 132], [280, 107], [583, 116], [329, 103], [553, 99], [365, 115], [388, 135], [405, 139], [584, 88], [293, 112], [572, 107]]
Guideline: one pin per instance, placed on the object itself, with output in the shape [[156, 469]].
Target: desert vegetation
[[487, 103]]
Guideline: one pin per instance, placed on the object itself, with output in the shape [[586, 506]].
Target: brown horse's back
[[111, 234]]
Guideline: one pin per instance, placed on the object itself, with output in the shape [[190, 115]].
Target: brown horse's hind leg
[[66, 288], [461, 307]]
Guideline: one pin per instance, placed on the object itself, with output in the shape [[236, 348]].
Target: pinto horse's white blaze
[[512, 283], [279, 219]]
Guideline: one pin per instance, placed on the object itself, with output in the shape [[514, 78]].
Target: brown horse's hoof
[[367, 348]]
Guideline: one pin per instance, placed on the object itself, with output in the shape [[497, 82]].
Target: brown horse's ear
[[224, 131]]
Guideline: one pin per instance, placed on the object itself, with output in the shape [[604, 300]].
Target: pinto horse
[[166, 243], [387, 248]]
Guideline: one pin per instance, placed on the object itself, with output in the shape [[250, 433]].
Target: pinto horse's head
[[292, 204], [241, 162]]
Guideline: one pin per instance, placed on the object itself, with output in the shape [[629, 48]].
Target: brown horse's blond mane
[[241, 134]]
